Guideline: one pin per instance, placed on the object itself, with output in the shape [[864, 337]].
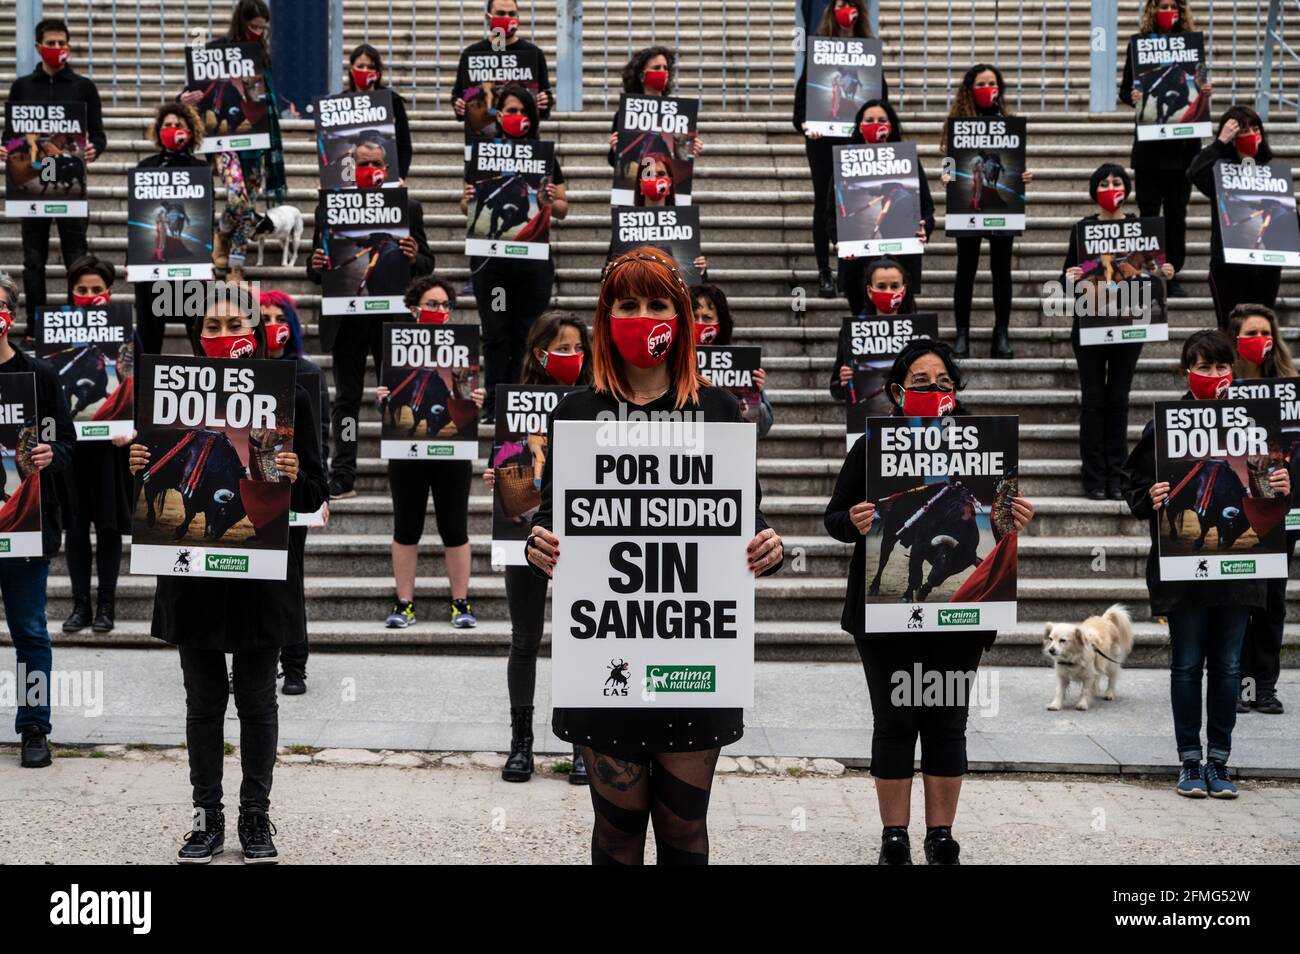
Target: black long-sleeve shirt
[[65, 86], [402, 129]]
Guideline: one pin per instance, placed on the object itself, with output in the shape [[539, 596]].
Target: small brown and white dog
[[1098, 646]]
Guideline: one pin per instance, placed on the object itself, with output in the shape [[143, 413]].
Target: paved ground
[[132, 808], [459, 703]]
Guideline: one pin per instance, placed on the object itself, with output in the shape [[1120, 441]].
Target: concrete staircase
[[753, 190]]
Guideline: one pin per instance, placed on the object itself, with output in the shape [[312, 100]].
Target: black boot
[[940, 847], [826, 283], [79, 618], [206, 839], [895, 847], [1001, 344], [103, 615], [35, 749], [578, 774], [295, 682], [961, 346], [519, 763], [255, 831]]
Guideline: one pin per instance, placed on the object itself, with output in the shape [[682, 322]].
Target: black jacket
[[1153, 156], [402, 127], [56, 495], [1201, 175], [485, 46], [305, 365], [64, 86]]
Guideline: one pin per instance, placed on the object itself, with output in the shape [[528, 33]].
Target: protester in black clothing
[[511, 293], [1159, 168], [983, 93], [922, 366], [53, 81], [502, 21], [1207, 618], [1241, 134], [350, 338], [366, 75], [1105, 371], [650, 72], [877, 122], [886, 291], [253, 619], [657, 762], [714, 326]]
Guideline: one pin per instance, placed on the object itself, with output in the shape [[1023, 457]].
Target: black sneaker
[[1269, 704], [295, 683], [895, 846], [35, 749], [825, 283], [255, 831], [1175, 290], [940, 847], [205, 840], [340, 490], [1243, 705]]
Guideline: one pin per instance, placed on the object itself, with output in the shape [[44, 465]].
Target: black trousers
[[819, 166], [510, 297], [1233, 285], [206, 694], [293, 658], [526, 597], [107, 557], [36, 256], [1105, 379], [1261, 650], [357, 338], [1162, 192], [968, 260]]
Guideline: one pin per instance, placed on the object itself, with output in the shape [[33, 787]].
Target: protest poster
[[45, 174], [1172, 76], [211, 502], [675, 230], [169, 224], [510, 216], [732, 367], [878, 200], [233, 109], [430, 372], [310, 381], [92, 350], [654, 158], [986, 166], [1222, 519], [843, 73], [1121, 296], [1286, 392], [1257, 213], [348, 122], [20, 494], [874, 342], [368, 271], [942, 487], [519, 457], [653, 600], [482, 73]]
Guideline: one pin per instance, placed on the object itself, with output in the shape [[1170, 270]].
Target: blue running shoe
[[462, 614], [401, 615], [1190, 781], [1219, 781]]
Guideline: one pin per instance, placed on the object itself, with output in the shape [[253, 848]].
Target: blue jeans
[[1210, 638], [22, 583]]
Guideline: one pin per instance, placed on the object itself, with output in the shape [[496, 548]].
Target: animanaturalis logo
[[994, 223], [56, 209], [94, 430], [76, 907], [179, 271], [1134, 334], [226, 563], [682, 678], [6, 545], [380, 305], [439, 450], [1236, 567], [1184, 130], [517, 250], [959, 617]]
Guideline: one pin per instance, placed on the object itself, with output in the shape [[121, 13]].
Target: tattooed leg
[[620, 798]]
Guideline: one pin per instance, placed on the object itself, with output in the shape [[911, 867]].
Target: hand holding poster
[[653, 601], [91, 349], [45, 175], [1121, 297], [348, 122], [212, 501], [368, 271], [874, 342], [1286, 392], [1257, 213], [878, 200], [233, 109], [519, 457], [169, 224], [654, 158], [1170, 73], [986, 167], [430, 372], [1221, 519], [942, 487], [843, 73], [510, 215], [485, 72], [675, 230], [20, 492]]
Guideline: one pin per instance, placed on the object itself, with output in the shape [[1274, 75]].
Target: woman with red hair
[[646, 763]]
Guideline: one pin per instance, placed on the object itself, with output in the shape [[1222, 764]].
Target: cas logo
[[100, 908]]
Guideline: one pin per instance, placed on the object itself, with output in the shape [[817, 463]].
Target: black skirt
[[637, 733], [103, 485]]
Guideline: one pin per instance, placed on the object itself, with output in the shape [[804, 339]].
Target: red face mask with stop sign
[[1208, 387], [433, 316], [563, 368], [364, 79], [1255, 348], [643, 342], [656, 187], [846, 17], [985, 96], [705, 334], [874, 132], [90, 301], [6, 322], [277, 335], [507, 25], [515, 125], [1110, 199], [370, 177], [1166, 19], [656, 80], [54, 57], [928, 401], [1248, 143], [886, 301], [229, 346], [174, 138]]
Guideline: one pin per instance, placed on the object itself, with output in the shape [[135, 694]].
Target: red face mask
[[985, 96], [643, 342], [886, 302], [1166, 19], [1255, 348], [6, 322], [507, 25], [656, 80], [1206, 387], [705, 334], [656, 187], [874, 132], [563, 368], [370, 177], [846, 17], [254, 35], [90, 301], [54, 57], [277, 335], [229, 346], [515, 125], [174, 138], [433, 316], [928, 402], [1110, 199], [1248, 143], [364, 79]]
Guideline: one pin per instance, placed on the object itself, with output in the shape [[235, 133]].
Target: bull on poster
[[211, 502], [510, 216], [519, 457], [233, 109], [1257, 213], [843, 73], [1171, 74], [732, 367], [368, 271], [655, 139], [1221, 520], [1121, 297], [674, 229], [169, 224], [941, 554], [347, 121], [486, 71], [310, 381], [874, 342], [91, 349], [878, 200], [20, 494], [45, 175], [986, 165], [430, 372], [653, 601], [1286, 391]]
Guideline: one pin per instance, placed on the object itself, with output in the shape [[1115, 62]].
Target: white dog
[[1084, 653], [283, 222]]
